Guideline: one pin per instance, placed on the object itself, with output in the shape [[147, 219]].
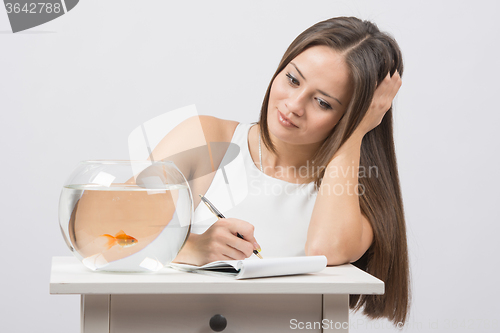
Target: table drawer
[[192, 313]]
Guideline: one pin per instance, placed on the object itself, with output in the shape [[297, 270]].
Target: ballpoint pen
[[220, 216]]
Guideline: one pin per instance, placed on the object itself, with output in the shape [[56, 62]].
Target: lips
[[285, 121]]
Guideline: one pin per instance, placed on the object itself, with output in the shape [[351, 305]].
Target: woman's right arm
[[219, 242], [187, 145]]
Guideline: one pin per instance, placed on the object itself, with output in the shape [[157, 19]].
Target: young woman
[[319, 167]]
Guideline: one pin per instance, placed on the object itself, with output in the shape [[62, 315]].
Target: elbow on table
[[335, 254]]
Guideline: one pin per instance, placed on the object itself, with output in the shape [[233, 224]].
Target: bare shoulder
[[216, 129], [194, 132]]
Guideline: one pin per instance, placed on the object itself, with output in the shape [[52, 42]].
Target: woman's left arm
[[338, 229]]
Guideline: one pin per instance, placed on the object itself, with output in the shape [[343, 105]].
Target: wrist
[[358, 135], [350, 148], [185, 255]]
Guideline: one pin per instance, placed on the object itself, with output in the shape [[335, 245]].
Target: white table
[[174, 301]]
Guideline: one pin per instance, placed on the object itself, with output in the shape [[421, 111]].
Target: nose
[[296, 103]]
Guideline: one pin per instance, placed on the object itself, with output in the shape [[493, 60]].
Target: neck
[[288, 155]]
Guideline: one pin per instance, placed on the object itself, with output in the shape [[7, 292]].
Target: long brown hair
[[370, 55]]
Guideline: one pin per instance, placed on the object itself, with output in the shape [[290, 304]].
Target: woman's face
[[309, 96]]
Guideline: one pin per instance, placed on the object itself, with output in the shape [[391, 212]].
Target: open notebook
[[254, 268]]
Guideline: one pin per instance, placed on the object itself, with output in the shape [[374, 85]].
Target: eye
[[292, 80], [323, 104]]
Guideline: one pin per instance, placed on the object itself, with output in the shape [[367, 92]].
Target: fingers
[[381, 102], [386, 91], [240, 251], [242, 246], [397, 82], [221, 243], [245, 229], [389, 86]]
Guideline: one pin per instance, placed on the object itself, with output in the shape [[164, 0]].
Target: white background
[[74, 88]]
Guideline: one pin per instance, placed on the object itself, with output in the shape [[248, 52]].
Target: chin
[[277, 131]]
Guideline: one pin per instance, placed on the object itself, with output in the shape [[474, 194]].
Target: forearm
[[187, 255], [336, 225]]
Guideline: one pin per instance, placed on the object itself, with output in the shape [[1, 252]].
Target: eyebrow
[[321, 92]]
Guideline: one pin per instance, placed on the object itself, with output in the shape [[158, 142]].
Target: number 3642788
[[33, 8]]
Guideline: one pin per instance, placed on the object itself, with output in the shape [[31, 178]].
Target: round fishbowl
[[125, 216]]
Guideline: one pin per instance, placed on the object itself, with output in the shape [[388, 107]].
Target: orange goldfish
[[121, 238]]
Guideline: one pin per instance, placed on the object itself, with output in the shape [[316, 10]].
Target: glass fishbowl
[[125, 216]]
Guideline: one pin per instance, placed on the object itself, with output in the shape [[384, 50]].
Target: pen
[[219, 215]]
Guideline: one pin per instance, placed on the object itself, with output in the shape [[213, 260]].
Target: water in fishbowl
[[125, 227]]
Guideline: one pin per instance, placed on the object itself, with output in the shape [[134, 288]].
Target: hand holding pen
[[219, 215]]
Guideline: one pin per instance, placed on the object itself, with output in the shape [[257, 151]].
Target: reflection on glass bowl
[[127, 216]]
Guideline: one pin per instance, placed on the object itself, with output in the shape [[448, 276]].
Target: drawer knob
[[218, 323]]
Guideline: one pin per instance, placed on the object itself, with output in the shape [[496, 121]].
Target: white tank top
[[279, 210]]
